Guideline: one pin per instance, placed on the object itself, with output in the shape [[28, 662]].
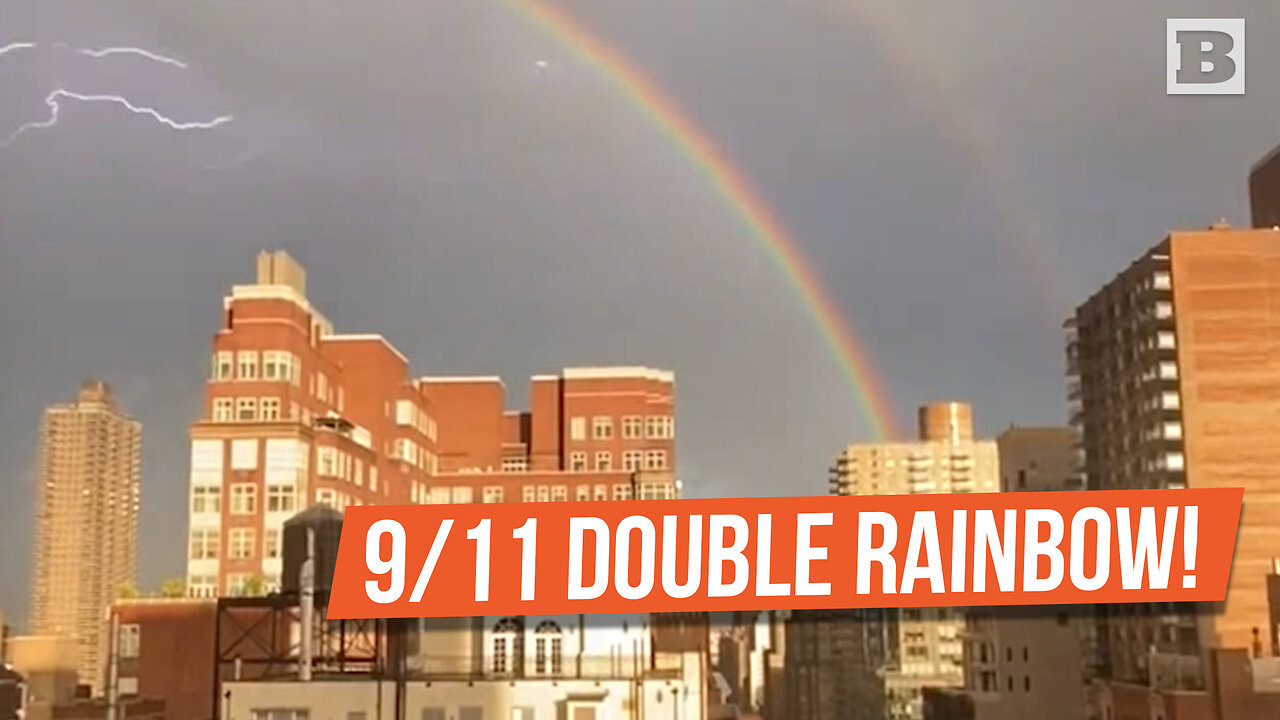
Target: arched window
[[548, 649], [507, 642]]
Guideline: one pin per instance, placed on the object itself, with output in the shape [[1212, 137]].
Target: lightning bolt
[[105, 52], [55, 108], [12, 47]]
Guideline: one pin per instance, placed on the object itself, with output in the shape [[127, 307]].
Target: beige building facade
[[86, 521], [929, 647]]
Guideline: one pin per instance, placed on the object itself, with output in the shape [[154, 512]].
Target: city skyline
[[126, 291]]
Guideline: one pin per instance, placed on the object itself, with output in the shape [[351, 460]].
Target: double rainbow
[[734, 188]]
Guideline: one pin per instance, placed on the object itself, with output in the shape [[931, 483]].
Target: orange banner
[[785, 553]]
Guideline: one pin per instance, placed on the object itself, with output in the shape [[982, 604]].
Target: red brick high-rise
[[296, 413]]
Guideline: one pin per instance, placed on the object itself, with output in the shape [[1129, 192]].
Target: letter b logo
[[1205, 57]]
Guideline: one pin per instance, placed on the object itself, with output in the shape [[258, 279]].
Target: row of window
[[242, 584], [409, 451], [242, 544], [244, 499], [338, 463], [420, 494], [632, 461], [634, 427], [251, 409], [271, 365], [409, 414]]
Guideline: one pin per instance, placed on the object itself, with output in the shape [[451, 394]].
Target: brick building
[[296, 413], [1174, 379]]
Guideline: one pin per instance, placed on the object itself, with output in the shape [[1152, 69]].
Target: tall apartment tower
[[1175, 382], [297, 414], [1264, 190], [1025, 661], [86, 521], [927, 648]]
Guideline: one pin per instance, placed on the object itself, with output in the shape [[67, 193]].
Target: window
[[1161, 281], [1026, 654], [271, 544], [1168, 370], [269, 408], [244, 499], [655, 460], [276, 365], [206, 500], [604, 461], [430, 713], [1164, 309], [327, 461], [281, 498], [356, 715], [1173, 461], [529, 493], [602, 428], [548, 649], [246, 409], [621, 492], [1026, 683], [632, 427], [583, 493], [327, 497], [1169, 400], [631, 460], [507, 646], [222, 366], [201, 586], [1173, 430], [578, 461], [204, 544], [295, 370], [578, 428], [559, 493], [515, 464], [282, 714], [405, 412], [470, 712], [523, 713], [130, 638], [601, 492], [1165, 340], [655, 491], [247, 365], [544, 493], [492, 494], [240, 543], [659, 427], [222, 410]]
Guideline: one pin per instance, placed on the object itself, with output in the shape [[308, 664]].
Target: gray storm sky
[[958, 173]]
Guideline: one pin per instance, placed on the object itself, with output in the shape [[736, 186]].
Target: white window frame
[[240, 543], [602, 427], [247, 365], [244, 499]]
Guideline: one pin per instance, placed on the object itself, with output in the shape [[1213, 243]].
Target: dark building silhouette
[[1264, 190]]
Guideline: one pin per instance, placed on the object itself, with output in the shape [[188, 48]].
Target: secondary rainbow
[[735, 189]]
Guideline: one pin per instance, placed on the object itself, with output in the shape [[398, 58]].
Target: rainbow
[[735, 189]]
